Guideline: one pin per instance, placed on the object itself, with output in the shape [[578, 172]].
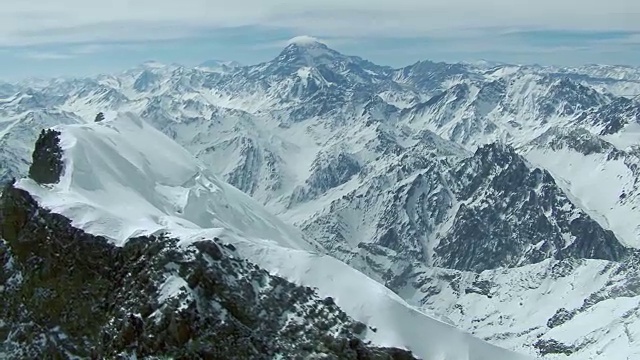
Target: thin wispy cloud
[[632, 39], [46, 56], [44, 21], [90, 49]]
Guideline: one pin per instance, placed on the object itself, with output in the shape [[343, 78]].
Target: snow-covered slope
[[569, 309], [123, 178]]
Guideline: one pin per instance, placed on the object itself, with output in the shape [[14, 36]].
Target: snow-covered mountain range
[[122, 180], [502, 198]]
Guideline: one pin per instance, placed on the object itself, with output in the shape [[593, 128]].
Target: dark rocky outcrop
[[561, 316], [328, 171], [99, 117], [47, 165], [512, 215], [67, 293], [547, 347]]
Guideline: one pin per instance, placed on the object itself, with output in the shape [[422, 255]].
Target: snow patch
[[171, 287]]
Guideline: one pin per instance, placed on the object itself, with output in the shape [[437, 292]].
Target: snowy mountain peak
[[307, 51]]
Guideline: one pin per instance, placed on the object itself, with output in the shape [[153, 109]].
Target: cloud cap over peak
[[304, 40]]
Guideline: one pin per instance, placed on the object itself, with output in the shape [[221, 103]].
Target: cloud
[[303, 40], [46, 56], [88, 49], [279, 44], [630, 39], [68, 21]]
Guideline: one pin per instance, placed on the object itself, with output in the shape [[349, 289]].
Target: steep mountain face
[[513, 108], [585, 162], [458, 170], [614, 117], [487, 211], [619, 80], [431, 78], [512, 215]]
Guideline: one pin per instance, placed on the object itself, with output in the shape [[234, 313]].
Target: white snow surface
[[397, 323], [123, 178], [525, 298]]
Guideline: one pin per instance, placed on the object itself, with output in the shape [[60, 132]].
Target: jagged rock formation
[[512, 215], [490, 210], [99, 117], [47, 163]]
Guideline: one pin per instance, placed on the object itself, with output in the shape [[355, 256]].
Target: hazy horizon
[[75, 38]]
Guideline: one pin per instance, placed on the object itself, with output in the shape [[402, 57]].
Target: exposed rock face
[[613, 116], [547, 347], [47, 165], [513, 215], [490, 210], [327, 172], [68, 293], [99, 117]]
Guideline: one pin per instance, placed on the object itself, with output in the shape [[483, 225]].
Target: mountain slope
[[149, 185], [145, 185], [561, 309], [585, 162]]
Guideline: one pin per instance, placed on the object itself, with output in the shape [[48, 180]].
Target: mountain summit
[[308, 51]]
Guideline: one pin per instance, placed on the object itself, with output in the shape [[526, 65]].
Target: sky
[[45, 38]]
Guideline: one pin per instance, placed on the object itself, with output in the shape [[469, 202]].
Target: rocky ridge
[[70, 294]]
